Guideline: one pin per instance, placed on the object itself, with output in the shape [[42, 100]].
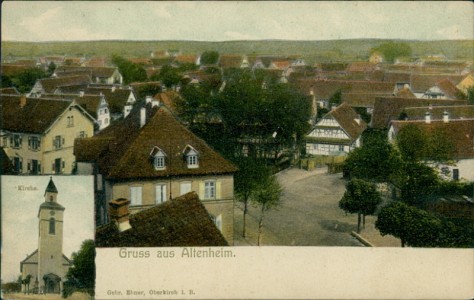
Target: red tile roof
[[51, 84], [460, 133], [346, 117], [30, 115], [387, 109], [449, 89], [183, 221], [125, 152], [454, 112]]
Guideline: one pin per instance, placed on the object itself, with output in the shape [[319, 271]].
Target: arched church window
[[52, 226]]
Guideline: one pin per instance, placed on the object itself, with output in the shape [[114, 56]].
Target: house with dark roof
[[182, 221], [149, 158], [103, 75], [421, 83], [49, 85], [387, 109], [458, 134], [443, 89], [233, 61], [119, 99], [38, 134], [337, 133], [9, 91]]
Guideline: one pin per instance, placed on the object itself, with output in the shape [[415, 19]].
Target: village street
[[308, 216]]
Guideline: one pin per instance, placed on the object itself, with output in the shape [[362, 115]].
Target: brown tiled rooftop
[[183, 221]]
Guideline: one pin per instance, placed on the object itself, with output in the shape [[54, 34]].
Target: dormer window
[[158, 157], [192, 157]]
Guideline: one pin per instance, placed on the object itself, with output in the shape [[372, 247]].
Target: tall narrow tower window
[[52, 226], [51, 198]]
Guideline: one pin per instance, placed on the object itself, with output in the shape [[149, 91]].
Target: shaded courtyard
[[308, 216]]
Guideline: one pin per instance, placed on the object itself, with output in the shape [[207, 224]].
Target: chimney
[[113, 88], [446, 117], [81, 93], [142, 117], [119, 212], [22, 101], [427, 117], [155, 102], [148, 99]]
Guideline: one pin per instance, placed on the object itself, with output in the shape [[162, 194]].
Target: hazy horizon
[[225, 21]]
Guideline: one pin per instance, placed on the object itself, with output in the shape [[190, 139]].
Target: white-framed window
[[160, 193], [184, 187], [158, 157], [192, 157], [15, 141], [82, 134], [192, 161], [135, 195], [58, 142], [217, 221], [341, 147], [210, 189], [58, 166], [5, 142], [34, 143]]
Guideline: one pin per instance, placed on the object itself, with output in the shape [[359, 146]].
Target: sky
[[20, 216], [235, 20]]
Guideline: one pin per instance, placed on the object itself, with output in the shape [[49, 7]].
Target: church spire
[[51, 188]]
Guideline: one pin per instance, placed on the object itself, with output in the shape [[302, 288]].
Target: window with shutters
[[16, 141], [18, 164], [160, 193], [135, 195], [58, 142], [34, 143], [184, 187], [34, 167]]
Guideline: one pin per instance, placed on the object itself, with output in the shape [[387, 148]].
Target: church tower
[[50, 242]]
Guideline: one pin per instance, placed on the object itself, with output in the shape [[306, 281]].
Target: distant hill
[[313, 51]]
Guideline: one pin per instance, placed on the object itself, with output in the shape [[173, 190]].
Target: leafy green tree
[[412, 143], [393, 50], [413, 226], [147, 90], [25, 80], [267, 196], [170, 76], [419, 184], [361, 197], [131, 72], [81, 275], [51, 68], [250, 177], [209, 57], [5, 81], [415, 144], [12, 287], [335, 99], [376, 160]]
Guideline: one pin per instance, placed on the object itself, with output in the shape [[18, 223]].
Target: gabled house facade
[[102, 75], [119, 100], [337, 133], [150, 158], [38, 134]]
